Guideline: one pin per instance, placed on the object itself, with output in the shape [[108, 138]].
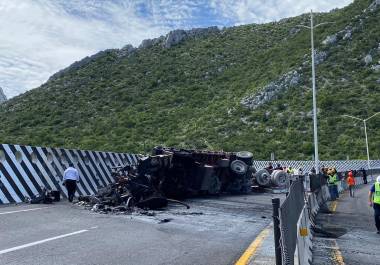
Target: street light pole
[[366, 143], [316, 156], [365, 132], [315, 126]]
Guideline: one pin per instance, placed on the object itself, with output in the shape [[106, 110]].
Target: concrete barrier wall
[[25, 169]]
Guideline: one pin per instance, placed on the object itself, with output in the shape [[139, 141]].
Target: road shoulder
[[355, 240]]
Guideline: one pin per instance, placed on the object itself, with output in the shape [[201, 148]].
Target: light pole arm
[[321, 24], [303, 26], [372, 116], [366, 143], [352, 117]]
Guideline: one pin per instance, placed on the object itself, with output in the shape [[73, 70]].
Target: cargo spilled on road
[[170, 175]]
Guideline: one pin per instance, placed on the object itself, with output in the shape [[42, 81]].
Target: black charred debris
[[170, 175]]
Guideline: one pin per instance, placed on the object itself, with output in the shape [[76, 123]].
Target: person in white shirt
[[70, 179]]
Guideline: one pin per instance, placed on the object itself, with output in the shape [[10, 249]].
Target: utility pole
[[315, 126]]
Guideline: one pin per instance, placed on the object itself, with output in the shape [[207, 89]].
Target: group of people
[[332, 179], [373, 196], [289, 170]]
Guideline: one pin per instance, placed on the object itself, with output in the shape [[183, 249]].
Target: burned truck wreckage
[[170, 175]]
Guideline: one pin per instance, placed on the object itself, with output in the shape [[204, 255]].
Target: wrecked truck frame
[[172, 174]]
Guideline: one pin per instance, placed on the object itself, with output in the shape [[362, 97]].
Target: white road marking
[[40, 242], [27, 210]]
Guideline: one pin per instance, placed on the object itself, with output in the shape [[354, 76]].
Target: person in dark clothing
[[364, 174], [278, 167], [70, 179], [374, 200], [269, 168]]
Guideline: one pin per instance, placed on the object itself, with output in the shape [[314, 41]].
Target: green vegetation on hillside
[[190, 95]]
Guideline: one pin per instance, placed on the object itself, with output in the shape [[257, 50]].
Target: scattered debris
[[45, 196], [187, 213], [170, 174], [277, 178], [166, 220]]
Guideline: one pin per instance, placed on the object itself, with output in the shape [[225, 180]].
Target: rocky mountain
[[3, 98], [246, 87]]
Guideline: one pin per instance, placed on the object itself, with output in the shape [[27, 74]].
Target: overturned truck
[[170, 174]]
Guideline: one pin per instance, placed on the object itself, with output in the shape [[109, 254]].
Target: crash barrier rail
[[304, 238], [316, 182], [340, 165], [289, 213], [26, 170], [306, 221]]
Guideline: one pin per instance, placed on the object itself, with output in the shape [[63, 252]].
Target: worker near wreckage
[[374, 200], [70, 179], [333, 183]]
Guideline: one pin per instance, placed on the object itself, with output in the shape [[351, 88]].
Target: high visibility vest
[[333, 179], [376, 196]]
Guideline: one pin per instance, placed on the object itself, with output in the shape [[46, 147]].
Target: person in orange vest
[[351, 183]]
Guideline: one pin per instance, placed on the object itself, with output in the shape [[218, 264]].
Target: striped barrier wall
[[24, 170]]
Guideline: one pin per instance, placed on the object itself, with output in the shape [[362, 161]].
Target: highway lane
[[352, 220], [213, 231]]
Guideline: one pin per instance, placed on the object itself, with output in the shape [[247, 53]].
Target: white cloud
[[40, 37], [261, 11]]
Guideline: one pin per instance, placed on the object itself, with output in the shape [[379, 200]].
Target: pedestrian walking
[[374, 201], [70, 179], [351, 183], [364, 174]]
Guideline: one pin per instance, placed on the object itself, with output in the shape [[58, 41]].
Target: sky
[[40, 37]]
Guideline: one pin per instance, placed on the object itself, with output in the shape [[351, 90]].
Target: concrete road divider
[[26, 170]]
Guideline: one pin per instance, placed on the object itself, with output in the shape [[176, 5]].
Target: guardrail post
[[276, 230]]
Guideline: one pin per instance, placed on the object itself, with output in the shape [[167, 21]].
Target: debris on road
[[45, 196], [166, 220], [278, 178], [169, 175]]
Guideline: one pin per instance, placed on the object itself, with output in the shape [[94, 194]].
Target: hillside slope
[[245, 87]]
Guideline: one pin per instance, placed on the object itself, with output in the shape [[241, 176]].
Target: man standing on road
[[351, 183], [364, 173], [374, 200], [70, 179], [333, 184]]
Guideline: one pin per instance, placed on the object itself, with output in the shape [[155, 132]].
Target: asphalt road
[[212, 231], [358, 243]]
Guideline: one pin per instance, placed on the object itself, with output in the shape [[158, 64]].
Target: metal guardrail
[[290, 211]]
